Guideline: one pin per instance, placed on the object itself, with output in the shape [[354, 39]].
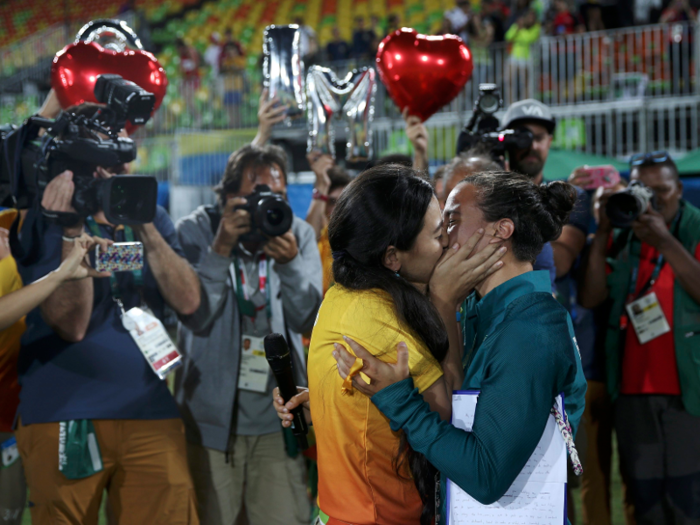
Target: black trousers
[[659, 447]]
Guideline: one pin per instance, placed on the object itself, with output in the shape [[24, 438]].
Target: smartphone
[[119, 257], [601, 177]]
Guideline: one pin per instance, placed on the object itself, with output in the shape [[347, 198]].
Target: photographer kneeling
[[93, 415], [261, 273]]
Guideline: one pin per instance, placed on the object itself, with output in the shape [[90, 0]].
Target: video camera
[[80, 143], [482, 128]]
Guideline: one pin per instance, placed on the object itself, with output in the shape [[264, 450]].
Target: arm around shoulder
[[509, 421]]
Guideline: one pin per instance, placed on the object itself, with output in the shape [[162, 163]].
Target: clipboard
[[538, 494]]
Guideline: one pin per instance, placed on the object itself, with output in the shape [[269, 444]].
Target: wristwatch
[[319, 196]]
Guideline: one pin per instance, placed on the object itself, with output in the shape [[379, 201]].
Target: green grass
[[616, 496], [616, 507]]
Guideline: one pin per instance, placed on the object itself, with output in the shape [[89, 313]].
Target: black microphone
[[280, 360]]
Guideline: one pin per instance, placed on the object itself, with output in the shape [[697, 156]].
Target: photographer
[[252, 285], [537, 118], [87, 384], [648, 274]]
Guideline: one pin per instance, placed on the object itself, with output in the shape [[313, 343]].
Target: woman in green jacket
[[519, 345]]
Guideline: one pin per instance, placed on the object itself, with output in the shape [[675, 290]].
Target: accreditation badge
[[647, 318], [10, 453], [255, 370], [154, 342]]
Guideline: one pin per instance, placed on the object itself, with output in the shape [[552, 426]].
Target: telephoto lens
[[626, 206]]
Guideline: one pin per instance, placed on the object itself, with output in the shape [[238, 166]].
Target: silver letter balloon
[[351, 99], [283, 68]]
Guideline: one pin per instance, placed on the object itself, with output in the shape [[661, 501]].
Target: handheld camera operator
[[260, 273], [644, 264], [525, 136], [533, 116], [92, 412]]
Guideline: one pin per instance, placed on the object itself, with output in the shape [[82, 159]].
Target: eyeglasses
[[654, 157]]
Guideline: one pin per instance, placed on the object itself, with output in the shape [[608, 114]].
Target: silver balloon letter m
[[352, 99]]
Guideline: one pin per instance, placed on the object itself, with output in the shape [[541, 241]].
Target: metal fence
[[613, 93]]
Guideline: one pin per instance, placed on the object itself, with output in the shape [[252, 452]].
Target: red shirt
[[564, 24], [651, 368]]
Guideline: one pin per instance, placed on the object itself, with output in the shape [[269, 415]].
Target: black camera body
[[482, 128], [270, 215], [81, 143], [625, 207]]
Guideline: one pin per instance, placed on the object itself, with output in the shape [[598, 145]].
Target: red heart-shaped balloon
[[75, 70], [423, 73]]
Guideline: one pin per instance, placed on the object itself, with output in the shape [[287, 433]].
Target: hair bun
[[558, 200]]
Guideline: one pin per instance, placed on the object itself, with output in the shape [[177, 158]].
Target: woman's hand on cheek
[[459, 270], [381, 374]]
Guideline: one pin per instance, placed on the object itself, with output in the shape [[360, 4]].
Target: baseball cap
[[528, 110]]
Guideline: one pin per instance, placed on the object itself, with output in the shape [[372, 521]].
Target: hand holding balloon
[[418, 137], [269, 114]]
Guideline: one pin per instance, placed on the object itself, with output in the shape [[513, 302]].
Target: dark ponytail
[[538, 212], [385, 206]]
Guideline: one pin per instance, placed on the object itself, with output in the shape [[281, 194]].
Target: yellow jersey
[[357, 480]]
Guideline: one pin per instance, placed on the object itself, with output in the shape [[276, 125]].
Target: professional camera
[[270, 214], [483, 127], [625, 207], [80, 143]]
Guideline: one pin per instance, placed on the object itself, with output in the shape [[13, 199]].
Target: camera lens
[[623, 209], [488, 103], [275, 216], [626, 206]]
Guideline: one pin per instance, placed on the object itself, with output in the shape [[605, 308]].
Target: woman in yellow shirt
[[387, 237]]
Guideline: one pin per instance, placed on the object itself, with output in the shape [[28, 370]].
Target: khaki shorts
[[145, 474], [259, 476]]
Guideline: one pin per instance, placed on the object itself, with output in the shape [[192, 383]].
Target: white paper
[[536, 497]]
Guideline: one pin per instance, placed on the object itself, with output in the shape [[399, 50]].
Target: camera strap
[[660, 263], [632, 295], [245, 305], [129, 237]]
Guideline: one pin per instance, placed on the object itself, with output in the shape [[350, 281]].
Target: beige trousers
[[259, 476]]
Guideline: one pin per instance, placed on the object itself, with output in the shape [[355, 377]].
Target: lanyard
[[245, 305], [129, 236], [632, 294], [660, 262]]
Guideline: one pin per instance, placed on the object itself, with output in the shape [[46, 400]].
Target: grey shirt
[[254, 414], [206, 387]]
